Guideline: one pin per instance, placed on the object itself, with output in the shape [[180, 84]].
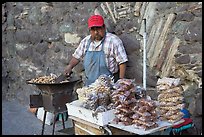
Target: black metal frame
[[53, 97]]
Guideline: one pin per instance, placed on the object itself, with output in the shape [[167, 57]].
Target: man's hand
[[73, 62], [68, 70]]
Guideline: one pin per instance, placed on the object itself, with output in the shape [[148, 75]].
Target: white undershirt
[[97, 43]]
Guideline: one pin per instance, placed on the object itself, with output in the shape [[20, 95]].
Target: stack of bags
[[123, 99], [130, 110], [145, 115], [96, 96], [170, 99]]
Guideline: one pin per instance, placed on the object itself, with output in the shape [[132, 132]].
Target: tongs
[[63, 77]]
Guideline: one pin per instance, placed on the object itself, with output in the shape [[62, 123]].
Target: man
[[102, 53]]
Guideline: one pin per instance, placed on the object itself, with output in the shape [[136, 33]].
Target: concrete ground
[[18, 120]]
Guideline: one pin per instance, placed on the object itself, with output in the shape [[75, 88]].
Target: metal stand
[[55, 119]]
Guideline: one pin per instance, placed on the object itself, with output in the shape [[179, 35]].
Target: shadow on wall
[[134, 65], [130, 43]]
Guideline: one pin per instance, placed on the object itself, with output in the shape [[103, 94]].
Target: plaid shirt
[[113, 49]]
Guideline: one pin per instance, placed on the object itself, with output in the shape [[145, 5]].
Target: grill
[[53, 97]]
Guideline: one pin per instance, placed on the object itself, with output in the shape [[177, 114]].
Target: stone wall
[[41, 35]]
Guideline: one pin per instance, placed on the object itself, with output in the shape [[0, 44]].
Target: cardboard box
[[102, 118], [49, 116]]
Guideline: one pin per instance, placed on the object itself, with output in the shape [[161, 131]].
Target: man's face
[[97, 33]]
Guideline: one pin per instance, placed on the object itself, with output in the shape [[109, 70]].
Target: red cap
[[95, 20]]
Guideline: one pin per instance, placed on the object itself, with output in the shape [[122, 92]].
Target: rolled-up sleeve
[[121, 56], [80, 51]]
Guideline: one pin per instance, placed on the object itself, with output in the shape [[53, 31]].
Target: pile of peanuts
[[43, 79]]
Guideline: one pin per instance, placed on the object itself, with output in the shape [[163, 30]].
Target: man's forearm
[[73, 62], [122, 70]]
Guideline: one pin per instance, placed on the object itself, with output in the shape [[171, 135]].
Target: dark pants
[[116, 76]]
